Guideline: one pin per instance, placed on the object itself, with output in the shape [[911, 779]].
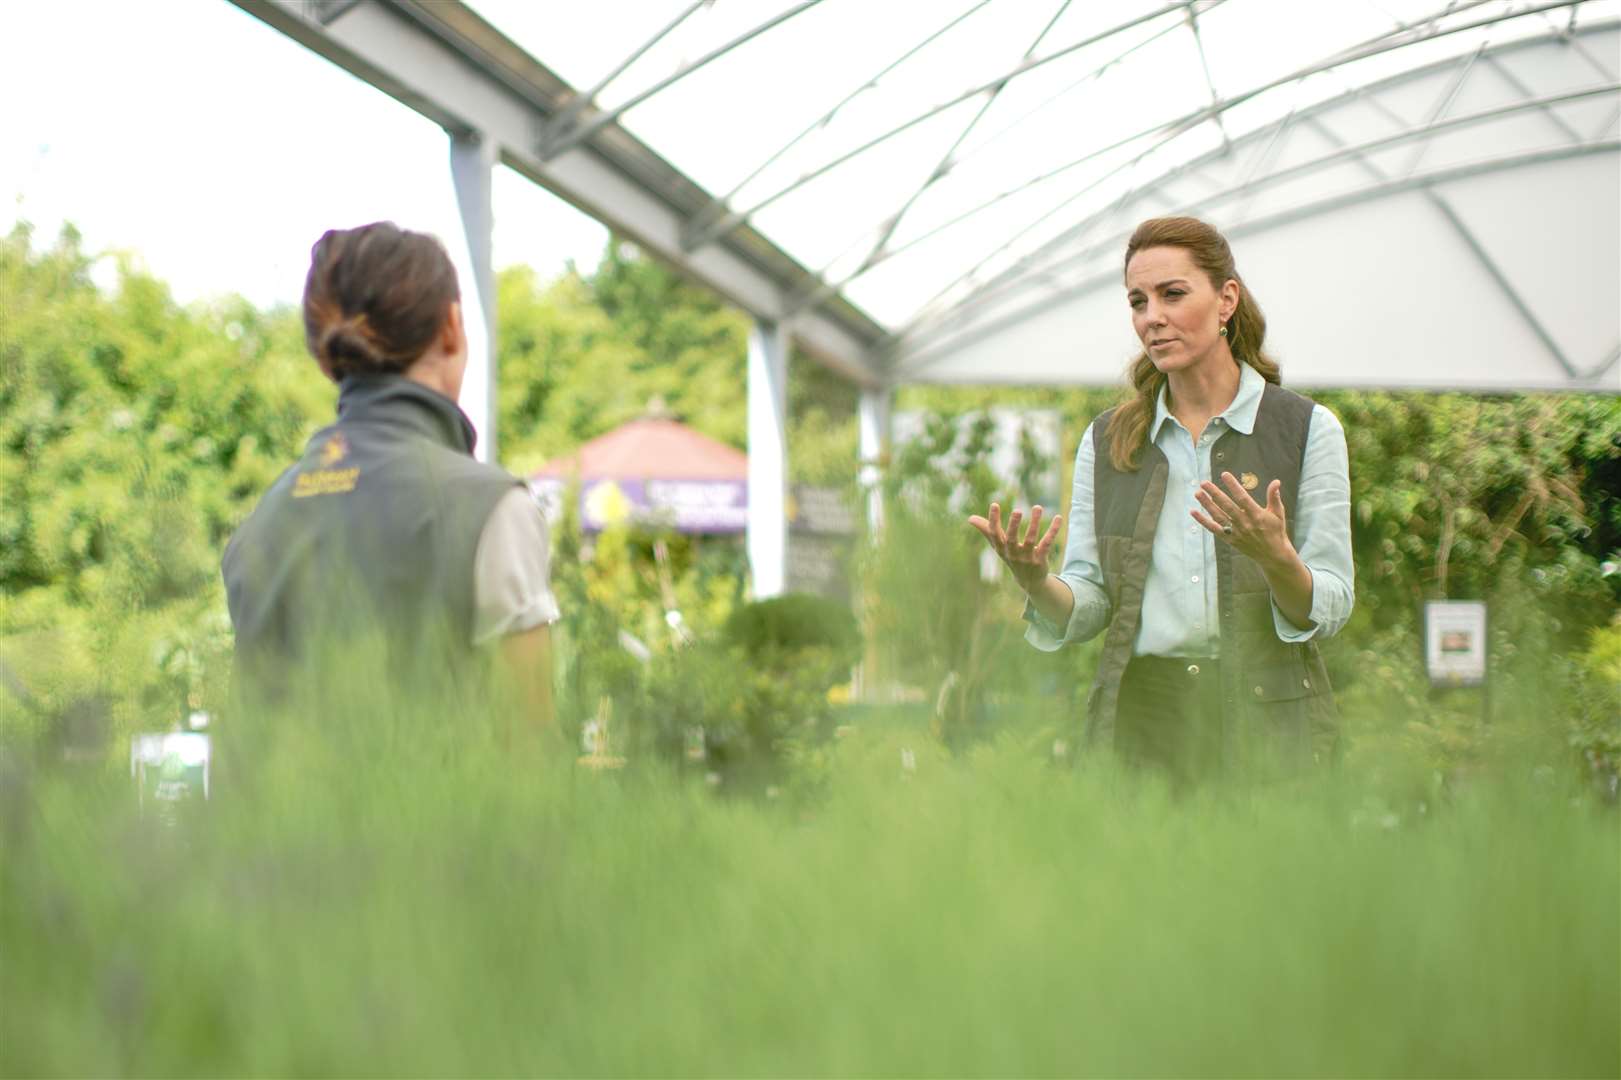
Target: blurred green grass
[[440, 905]]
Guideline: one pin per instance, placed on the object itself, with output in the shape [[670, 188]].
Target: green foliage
[[822, 442], [562, 374], [739, 716], [1453, 494], [1596, 730], [934, 622], [625, 581], [581, 355], [135, 435], [1512, 500], [741, 702], [784, 626], [401, 893]]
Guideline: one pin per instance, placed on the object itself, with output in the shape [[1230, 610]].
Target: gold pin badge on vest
[[1250, 481]]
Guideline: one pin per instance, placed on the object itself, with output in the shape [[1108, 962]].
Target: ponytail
[[374, 299]]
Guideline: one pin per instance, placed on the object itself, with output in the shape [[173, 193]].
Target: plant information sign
[[1455, 642]]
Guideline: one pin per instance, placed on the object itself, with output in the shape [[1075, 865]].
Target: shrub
[[743, 705], [780, 632], [715, 709], [1595, 729]]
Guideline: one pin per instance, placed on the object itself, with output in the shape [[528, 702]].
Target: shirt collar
[[395, 399], [1240, 415]]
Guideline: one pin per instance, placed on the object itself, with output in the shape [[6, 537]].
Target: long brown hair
[[374, 298], [1246, 330]]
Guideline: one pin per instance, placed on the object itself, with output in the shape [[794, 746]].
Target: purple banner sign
[[689, 506]]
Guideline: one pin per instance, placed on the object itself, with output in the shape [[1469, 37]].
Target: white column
[[873, 422], [768, 458], [472, 160]]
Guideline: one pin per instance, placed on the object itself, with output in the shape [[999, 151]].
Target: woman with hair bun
[[387, 529], [1209, 538]]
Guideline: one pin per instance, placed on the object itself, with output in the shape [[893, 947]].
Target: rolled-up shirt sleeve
[[1322, 530], [512, 571], [1080, 570]]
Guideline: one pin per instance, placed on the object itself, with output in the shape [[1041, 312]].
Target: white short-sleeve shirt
[[512, 570]]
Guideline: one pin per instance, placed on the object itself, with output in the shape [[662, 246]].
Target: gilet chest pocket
[[1287, 681]]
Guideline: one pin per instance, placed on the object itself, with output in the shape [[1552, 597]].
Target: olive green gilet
[[369, 540], [1276, 689]]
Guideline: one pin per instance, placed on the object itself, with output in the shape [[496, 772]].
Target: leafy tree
[[581, 355], [135, 435]]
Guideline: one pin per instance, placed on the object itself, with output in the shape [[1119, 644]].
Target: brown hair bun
[[374, 298]]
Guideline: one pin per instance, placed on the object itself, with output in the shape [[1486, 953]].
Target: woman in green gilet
[[388, 531], [1209, 534]]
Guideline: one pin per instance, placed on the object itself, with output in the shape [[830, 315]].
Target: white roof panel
[[946, 166]]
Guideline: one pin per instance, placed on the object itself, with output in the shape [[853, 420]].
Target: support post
[[472, 161], [873, 420], [873, 425], [768, 458]]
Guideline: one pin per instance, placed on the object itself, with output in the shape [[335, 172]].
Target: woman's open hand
[[1261, 532], [1025, 555]]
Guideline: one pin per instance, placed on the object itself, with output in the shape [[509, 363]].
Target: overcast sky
[[218, 150]]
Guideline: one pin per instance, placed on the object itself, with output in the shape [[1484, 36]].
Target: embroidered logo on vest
[[327, 480]]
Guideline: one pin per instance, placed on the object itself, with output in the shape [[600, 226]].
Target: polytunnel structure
[[1421, 195]]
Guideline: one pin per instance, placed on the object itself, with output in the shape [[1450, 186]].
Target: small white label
[[1455, 642]]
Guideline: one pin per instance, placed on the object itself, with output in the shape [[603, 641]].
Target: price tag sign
[[170, 767], [1455, 642]]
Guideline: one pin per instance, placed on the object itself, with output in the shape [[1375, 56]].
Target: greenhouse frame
[[1422, 195]]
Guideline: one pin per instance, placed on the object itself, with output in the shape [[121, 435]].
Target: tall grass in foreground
[[407, 896]]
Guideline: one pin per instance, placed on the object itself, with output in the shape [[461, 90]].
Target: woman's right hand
[[1025, 556]]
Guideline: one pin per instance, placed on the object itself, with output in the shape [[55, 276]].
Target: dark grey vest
[[371, 536], [1279, 687]]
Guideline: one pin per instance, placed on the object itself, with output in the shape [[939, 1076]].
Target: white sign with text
[[1455, 642]]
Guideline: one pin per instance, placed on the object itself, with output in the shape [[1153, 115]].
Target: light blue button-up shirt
[[1179, 597]]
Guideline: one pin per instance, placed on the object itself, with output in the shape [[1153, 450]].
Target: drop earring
[[1223, 330]]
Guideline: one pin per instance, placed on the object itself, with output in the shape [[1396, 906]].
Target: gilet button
[[1306, 683], [1193, 669], [1259, 692]]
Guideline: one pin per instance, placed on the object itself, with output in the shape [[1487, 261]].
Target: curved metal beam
[[448, 64], [717, 208], [823, 288], [1204, 65], [1175, 129], [1398, 38], [1604, 365], [555, 143], [943, 167], [1449, 213], [566, 116], [737, 217], [908, 356], [1249, 186]]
